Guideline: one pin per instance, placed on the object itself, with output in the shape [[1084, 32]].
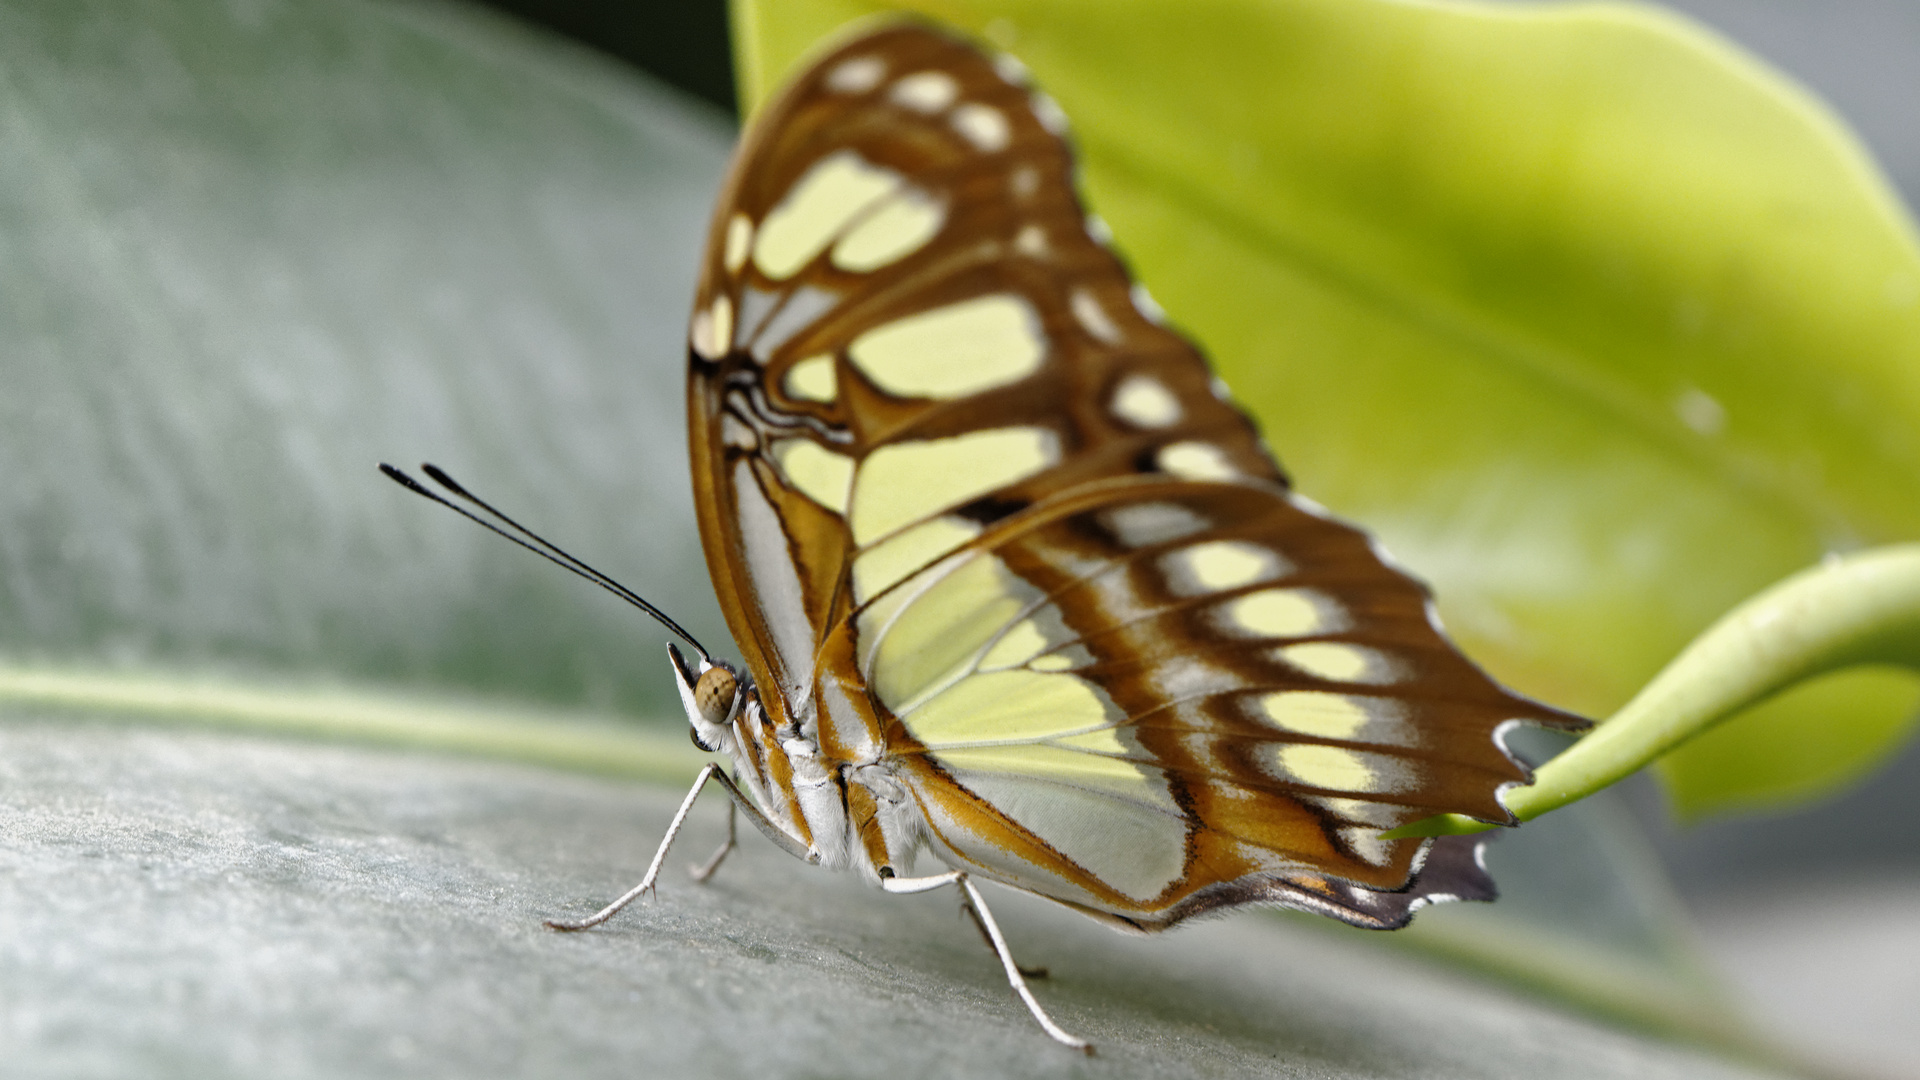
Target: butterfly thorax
[[819, 773]]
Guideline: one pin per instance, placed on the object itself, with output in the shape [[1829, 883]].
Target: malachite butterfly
[[1015, 585]]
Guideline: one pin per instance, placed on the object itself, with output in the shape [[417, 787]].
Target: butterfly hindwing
[[1177, 685], [981, 523]]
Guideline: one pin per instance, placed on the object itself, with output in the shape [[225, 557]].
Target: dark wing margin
[[1453, 870]]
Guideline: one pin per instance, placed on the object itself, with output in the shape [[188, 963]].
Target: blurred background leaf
[[252, 250], [1600, 324]]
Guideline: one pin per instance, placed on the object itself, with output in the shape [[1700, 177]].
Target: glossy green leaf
[[1598, 323]]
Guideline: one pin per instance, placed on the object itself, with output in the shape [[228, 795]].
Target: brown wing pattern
[[978, 518]]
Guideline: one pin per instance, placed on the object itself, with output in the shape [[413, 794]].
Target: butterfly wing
[[979, 520]]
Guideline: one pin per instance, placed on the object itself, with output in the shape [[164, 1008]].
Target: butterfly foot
[[568, 927]]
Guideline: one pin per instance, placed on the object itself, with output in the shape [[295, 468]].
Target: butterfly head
[[713, 695]]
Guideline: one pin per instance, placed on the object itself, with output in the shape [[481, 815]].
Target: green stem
[[1858, 609]]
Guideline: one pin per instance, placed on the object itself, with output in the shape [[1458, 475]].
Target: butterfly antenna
[[539, 545]]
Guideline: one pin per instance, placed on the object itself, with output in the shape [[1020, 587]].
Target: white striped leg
[[737, 800], [999, 943]]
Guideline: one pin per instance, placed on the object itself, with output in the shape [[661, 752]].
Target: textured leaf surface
[[1598, 323], [185, 904]]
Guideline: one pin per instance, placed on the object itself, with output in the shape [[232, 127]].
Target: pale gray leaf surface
[[193, 905]]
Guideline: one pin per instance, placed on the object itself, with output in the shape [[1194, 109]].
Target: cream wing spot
[[1092, 317], [719, 328], [812, 379], [1048, 112], [816, 472], [1337, 661], [831, 193], [1218, 565], [984, 126], [1139, 525], [1031, 241], [1321, 714], [1190, 460], [1147, 306], [739, 242], [901, 226], [1337, 768], [901, 483], [1193, 678], [700, 334], [1314, 713], [884, 565], [925, 91], [1283, 613], [1144, 402], [953, 351], [1098, 230], [856, 76]]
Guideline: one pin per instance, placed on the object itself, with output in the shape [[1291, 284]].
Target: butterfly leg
[[737, 800], [1015, 979], [1029, 972], [705, 870]]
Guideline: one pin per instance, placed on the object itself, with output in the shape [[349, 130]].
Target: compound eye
[[713, 694]]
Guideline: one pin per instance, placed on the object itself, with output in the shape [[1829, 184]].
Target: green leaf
[[1599, 324]]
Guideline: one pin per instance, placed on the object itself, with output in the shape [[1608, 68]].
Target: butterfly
[[1015, 584]]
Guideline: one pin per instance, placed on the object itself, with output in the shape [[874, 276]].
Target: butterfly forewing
[[984, 528]]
